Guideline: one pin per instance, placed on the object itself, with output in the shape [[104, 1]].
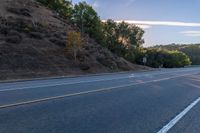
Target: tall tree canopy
[[87, 19], [63, 7], [123, 39]]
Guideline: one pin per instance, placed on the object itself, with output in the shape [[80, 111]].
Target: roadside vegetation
[[166, 58], [192, 50], [123, 39], [73, 43]]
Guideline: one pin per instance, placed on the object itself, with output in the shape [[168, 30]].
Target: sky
[[164, 21]]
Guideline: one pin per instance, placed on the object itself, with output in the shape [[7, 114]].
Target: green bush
[[165, 58], [192, 50], [62, 7]]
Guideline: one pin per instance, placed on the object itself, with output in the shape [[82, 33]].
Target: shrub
[[73, 43], [62, 7], [165, 58]]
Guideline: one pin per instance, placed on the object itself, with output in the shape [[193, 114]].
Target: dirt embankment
[[32, 44]]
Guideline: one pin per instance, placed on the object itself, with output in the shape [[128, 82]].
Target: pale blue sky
[[165, 21]]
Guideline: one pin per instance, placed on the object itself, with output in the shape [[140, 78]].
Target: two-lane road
[[146, 102]]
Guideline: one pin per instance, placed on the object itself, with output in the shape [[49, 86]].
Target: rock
[[35, 35], [3, 26], [81, 55], [13, 32], [13, 39], [4, 29], [60, 35], [84, 66], [20, 24], [121, 63], [107, 62], [69, 55], [58, 42], [57, 35], [19, 11]]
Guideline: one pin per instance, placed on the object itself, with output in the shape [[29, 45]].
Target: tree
[[192, 50], [87, 19], [123, 39], [73, 43], [136, 36], [111, 38], [62, 7], [177, 59], [123, 32], [165, 58]]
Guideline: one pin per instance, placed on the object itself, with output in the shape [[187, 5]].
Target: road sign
[[144, 60]]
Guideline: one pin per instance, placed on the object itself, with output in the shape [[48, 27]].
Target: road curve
[[146, 102]]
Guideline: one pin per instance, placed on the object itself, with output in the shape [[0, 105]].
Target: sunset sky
[[164, 21]]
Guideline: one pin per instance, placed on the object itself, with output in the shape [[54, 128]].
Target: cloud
[[143, 26], [149, 24], [95, 4], [161, 23], [191, 33]]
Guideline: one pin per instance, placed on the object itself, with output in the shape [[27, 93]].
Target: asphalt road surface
[[158, 101]]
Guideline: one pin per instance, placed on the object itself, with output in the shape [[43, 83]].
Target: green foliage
[[111, 38], [86, 18], [165, 58], [62, 7], [134, 55], [73, 43], [123, 39], [192, 50]]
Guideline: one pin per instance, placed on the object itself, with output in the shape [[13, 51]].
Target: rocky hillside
[[32, 44]]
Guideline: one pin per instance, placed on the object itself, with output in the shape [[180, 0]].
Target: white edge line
[[167, 127], [23, 88], [85, 92]]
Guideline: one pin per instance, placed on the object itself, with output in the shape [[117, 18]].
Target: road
[[158, 101]]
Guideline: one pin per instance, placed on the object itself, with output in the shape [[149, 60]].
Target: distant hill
[[192, 50], [32, 44]]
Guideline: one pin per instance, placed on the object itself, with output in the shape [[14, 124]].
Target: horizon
[[179, 25]]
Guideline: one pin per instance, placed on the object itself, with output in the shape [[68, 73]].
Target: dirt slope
[[32, 43]]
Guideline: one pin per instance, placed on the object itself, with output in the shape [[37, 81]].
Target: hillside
[[192, 50], [32, 44]]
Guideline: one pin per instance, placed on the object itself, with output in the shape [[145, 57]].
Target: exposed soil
[[32, 44]]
